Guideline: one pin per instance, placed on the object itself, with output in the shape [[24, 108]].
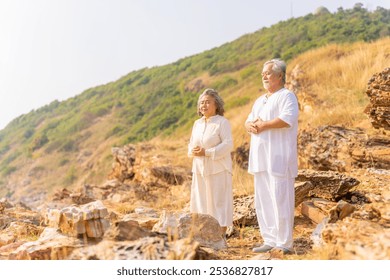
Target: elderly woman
[[210, 146]]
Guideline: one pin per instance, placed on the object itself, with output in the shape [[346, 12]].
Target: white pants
[[213, 195], [274, 203]]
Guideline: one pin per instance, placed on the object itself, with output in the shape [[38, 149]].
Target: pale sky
[[55, 49]]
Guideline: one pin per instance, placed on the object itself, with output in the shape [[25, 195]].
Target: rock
[[147, 248], [378, 89], [131, 163], [51, 245], [168, 223], [353, 239], [126, 229], [202, 228], [340, 211], [244, 213], [122, 168], [302, 191], [143, 220], [241, 155], [327, 184], [342, 149], [19, 231], [312, 212], [88, 219]]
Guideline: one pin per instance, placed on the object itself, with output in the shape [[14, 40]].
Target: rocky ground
[[141, 212]]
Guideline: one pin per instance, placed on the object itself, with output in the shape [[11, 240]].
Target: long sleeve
[[191, 143], [216, 138], [225, 147]]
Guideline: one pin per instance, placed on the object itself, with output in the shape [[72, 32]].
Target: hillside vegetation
[[65, 144]]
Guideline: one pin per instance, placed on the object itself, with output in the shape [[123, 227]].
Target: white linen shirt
[[275, 150], [216, 138]]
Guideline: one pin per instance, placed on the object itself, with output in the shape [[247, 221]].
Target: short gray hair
[[279, 66], [218, 101]]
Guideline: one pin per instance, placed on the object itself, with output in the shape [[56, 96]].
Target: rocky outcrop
[[147, 248], [152, 170], [327, 184], [89, 220], [301, 86], [51, 245], [342, 149], [378, 90], [319, 209]]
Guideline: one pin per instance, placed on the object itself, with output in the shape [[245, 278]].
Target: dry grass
[[337, 75]]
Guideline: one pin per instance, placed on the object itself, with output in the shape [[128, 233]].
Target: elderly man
[[273, 160]]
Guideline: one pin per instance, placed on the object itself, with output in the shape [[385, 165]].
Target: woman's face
[[207, 106]]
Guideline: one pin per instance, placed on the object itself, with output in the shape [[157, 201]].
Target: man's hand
[[198, 151], [260, 125], [251, 127]]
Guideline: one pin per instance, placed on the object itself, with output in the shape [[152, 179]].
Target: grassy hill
[[65, 144]]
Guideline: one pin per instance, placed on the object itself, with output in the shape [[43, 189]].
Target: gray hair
[[279, 66], [218, 101]]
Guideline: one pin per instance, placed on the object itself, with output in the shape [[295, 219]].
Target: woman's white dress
[[211, 189]]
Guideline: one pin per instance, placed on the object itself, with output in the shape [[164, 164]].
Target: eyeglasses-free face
[[207, 106], [271, 81]]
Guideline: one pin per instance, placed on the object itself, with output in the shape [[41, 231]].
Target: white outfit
[[273, 160], [211, 189]]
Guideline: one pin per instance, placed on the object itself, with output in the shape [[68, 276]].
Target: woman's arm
[[225, 147]]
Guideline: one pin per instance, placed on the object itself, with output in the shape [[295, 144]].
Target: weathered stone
[[142, 220], [89, 219], [131, 164], [302, 191], [342, 149], [122, 168], [244, 213], [51, 245], [204, 229], [340, 211], [241, 155], [327, 184], [168, 223], [378, 89], [127, 229], [147, 248], [308, 209], [356, 240]]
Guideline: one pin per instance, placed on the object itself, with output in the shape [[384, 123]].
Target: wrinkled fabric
[[275, 150], [211, 189], [274, 204], [213, 195], [273, 160], [216, 138]]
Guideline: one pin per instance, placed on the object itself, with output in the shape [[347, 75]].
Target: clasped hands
[[198, 151], [255, 126]]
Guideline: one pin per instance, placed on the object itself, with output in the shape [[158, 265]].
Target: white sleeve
[[225, 147]]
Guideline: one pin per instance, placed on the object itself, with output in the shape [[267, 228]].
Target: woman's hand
[[198, 151]]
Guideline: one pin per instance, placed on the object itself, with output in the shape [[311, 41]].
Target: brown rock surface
[[378, 89], [342, 149], [327, 184]]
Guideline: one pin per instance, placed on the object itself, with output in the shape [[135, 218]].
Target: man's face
[[271, 81]]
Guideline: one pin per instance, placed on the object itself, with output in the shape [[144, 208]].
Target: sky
[[55, 49]]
